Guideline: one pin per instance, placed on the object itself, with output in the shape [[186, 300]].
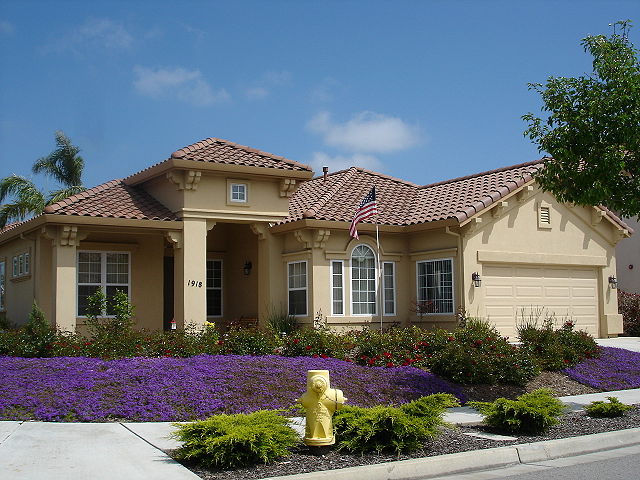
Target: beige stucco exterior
[[167, 259]]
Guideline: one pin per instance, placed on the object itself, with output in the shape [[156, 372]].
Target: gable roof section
[[113, 199], [405, 203]]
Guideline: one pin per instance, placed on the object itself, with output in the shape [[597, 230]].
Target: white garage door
[[570, 293]]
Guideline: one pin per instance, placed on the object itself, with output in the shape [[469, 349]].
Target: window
[[435, 285], [238, 192], [2, 284], [363, 281], [214, 288], [389, 287], [21, 265], [337, 288], [297, 273], [106, 271]]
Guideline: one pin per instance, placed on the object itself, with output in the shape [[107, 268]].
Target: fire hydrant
[[320, 401]]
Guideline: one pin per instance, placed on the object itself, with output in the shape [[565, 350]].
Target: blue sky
[[421, 90]]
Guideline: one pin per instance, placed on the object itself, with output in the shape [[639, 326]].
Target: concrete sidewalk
[[133, 451]]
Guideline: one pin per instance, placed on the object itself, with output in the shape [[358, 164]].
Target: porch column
[[64, 243], [190, 273], [271, 281]]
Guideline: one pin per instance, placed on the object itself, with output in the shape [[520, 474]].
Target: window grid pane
[[388, 285], [435, 285], [363, 281], [297, 283], [337, 304], [214, 288], [106, 271]]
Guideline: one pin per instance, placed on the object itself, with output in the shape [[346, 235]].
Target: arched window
[[363, 281]]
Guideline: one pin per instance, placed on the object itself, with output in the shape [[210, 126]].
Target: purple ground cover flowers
[[614, 369], [179, 389]]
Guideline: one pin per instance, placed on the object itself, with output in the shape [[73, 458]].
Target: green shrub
[[614, 408], [280, 322], [249, 341], [36, 337], [311, 342], [531, 413], [232, 441], [553, 349], [383, 428], [629, 307]]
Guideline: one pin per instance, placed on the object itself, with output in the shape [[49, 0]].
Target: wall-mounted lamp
[[247, 267], [476, 279], [613, 282]]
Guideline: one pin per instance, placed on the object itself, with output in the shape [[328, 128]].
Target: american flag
[[367, 208]]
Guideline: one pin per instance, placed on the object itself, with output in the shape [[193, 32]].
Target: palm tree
[[63, 164]]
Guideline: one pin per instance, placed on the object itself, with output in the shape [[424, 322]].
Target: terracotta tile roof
[[401, 202], [11, 226], [216, 150], [113, 199]]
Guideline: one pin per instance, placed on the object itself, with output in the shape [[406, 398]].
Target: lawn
[[179, 389]]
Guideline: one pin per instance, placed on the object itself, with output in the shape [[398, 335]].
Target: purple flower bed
[[179, 389], [615, 369]]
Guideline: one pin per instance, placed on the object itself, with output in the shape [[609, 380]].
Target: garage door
[[567, 292]]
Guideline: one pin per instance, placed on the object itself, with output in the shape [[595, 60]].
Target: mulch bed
[[450, 441]]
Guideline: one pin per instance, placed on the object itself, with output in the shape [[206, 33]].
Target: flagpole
[[380, 303]]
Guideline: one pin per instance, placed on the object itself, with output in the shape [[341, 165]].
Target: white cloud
[[366, 132], [6, 28], [189, 86], [94, 33], [269, 80], [340, 162]]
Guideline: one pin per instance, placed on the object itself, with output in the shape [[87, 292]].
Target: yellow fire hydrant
[[320, 401]]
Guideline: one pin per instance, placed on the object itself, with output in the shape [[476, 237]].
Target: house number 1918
[[194, 283]]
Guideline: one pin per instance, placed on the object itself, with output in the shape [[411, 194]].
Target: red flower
[[389, 364], [348, 360], [296, 340], [450, 339], [478, 342], [371, 361], [220, 342], [86, 344], [308, 347], [315, 355], [387, 354], [324, 356]]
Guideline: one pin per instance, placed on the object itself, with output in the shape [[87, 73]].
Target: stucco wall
[[628, 255], [19, 291]]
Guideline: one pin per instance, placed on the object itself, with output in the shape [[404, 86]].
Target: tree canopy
[[592, 128], [63, 164]]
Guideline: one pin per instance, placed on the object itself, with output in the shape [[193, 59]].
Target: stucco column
[[64, 277], [190, 273], [271, 282]]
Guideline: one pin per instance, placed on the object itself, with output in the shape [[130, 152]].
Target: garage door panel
[[514, 291]]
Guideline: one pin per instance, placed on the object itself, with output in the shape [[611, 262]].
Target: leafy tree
[[63, 164], [592, 130]]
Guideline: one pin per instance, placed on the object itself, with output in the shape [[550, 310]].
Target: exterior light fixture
[[613, 282], [173, 324], [476, 279], [247, 267]]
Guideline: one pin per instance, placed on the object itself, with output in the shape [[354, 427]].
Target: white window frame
[[21, 265], [342, 288], [215, 288], [376, 268], [103, 277], [245, 188], [393, 289], [453, 285], [3, 284], [295, 289]]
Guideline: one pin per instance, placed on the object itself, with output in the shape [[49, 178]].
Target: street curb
[[476, 460]]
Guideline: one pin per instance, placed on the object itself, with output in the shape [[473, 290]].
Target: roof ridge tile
[[315, 208], [488, 172]]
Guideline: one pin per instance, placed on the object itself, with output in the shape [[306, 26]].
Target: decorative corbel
[[287, 187], [211, 224], [185, 179], [69, 236], [259, 229], [499, 208], [321, 237], [525, 193], [597, 215], [49, 234], [304, 238], [174, 238], [620, 234]]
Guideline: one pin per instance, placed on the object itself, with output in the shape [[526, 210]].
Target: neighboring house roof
[[113, 199], [405, 203]]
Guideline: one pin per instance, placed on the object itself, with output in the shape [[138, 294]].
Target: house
[[628, 255], [223, 232]]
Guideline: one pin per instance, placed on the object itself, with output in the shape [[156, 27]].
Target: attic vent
[[544, 216]]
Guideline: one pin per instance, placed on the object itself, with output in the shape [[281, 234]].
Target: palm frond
[[57, 195], [63, 164]]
